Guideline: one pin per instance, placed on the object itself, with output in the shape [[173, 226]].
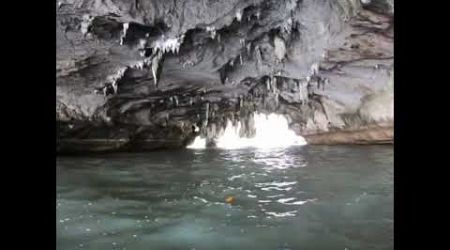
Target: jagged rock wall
[[145, 74]]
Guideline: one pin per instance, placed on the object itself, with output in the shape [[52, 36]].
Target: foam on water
[[199, 143], [272, 131]]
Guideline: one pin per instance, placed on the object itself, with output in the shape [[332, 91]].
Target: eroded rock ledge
[[373, 135], [144, 74]]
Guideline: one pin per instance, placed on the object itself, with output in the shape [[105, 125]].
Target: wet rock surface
[[147, 74]]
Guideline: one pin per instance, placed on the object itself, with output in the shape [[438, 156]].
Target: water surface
[[301, 197]]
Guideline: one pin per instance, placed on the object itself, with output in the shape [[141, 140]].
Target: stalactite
[[196, 128], [142, 43], [315, 69], [273, 84], [207, 113], [86, 24], [239, 15], [157, 66], [258, 56], [212, 31], [125, 27]]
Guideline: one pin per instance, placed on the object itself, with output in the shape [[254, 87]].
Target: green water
[[310, 197]]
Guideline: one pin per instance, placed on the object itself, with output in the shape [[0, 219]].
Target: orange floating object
[[230, 200]]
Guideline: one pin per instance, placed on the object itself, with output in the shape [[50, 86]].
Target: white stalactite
[[142, 43], [212, 31], [155, 66], [242, 41], [168, 45], [125, 27], [207, 114], [114, 79], [239, 15], [315, 69], [86, 24]]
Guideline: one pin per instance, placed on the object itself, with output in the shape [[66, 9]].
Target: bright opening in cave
[[271, 131]]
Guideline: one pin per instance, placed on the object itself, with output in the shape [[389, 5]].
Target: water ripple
[[285, 214]]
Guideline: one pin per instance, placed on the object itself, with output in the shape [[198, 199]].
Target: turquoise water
[[310, 197]]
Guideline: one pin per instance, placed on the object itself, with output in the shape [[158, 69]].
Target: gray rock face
[[146, 74]]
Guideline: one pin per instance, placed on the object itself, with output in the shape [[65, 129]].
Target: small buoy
[[230, 200]]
